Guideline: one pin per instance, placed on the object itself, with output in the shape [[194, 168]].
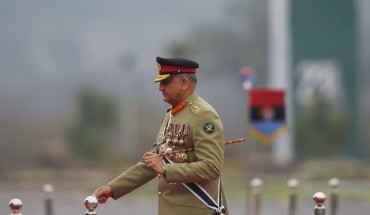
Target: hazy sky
[[50, 47], [41, 34]]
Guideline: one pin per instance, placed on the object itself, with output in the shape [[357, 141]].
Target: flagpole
[[278, 74]]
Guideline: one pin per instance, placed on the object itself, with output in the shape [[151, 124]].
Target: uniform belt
[[203, 195]]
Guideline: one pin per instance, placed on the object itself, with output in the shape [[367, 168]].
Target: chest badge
[[209, 128]]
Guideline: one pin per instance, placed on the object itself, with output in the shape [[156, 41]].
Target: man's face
[[171, 89]]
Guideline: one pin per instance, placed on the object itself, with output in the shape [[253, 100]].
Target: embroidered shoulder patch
[[209, 128]]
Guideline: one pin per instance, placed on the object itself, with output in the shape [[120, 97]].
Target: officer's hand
[[103, 193], [154, 161]]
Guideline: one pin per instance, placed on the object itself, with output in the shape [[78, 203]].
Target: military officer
[[188, 154]]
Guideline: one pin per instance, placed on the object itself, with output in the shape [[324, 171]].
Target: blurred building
[[329, 47], [321, 48]]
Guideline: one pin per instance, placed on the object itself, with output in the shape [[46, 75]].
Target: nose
[[161, 86]]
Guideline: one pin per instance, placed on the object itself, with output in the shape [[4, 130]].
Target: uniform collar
[[179, 107]]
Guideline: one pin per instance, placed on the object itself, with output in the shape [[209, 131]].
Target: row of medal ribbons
[[176, 134]]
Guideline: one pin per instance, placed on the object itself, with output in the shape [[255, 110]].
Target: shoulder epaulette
[[195, 108]]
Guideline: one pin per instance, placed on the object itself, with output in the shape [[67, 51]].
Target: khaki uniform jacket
[[199, 127]]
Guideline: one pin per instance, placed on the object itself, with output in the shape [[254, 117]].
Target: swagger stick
[[234, 141], [191, 149]]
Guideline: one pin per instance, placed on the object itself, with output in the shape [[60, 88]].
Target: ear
[[185, 83]]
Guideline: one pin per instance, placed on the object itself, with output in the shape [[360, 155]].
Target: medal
[[176, 137], [168, 153], [169, 135], [181, 157]]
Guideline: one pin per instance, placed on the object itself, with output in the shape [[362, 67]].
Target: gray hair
[[192, 77]]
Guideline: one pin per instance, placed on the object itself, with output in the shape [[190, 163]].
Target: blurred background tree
[[97, 116], [322, 129]]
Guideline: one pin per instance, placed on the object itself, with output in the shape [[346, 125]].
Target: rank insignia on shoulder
[[209, 128], [195, 107]]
